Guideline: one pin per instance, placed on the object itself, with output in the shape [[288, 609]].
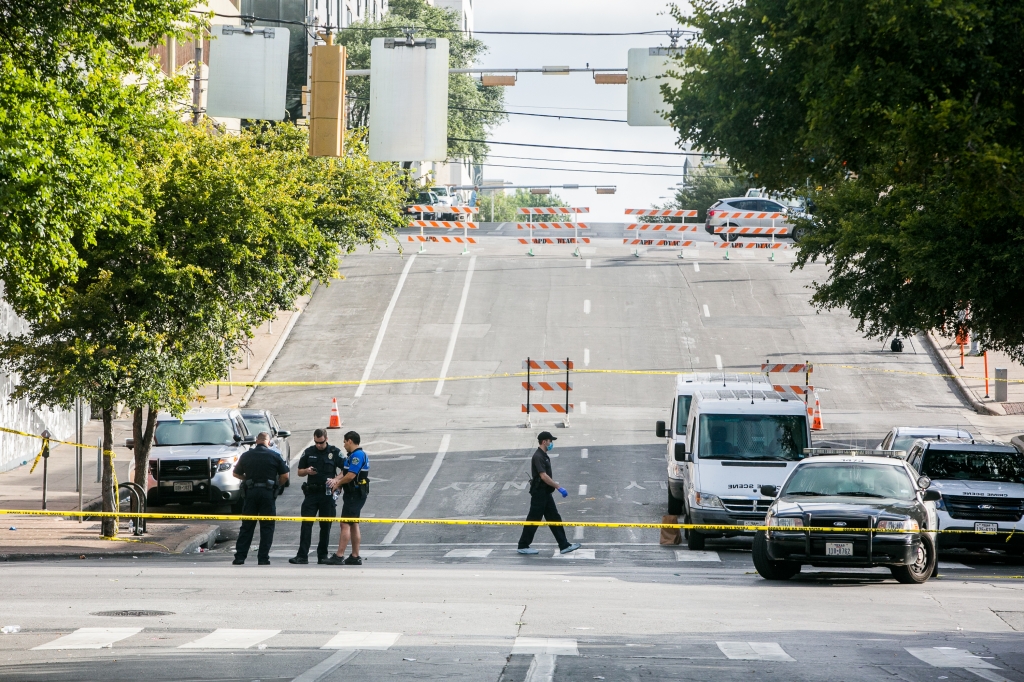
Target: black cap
[[545, 435]]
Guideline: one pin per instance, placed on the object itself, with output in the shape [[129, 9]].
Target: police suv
[[735, 441], [982, 486]]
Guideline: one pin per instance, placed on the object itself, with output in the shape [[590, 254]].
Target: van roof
[[739, 402], [690, 380]]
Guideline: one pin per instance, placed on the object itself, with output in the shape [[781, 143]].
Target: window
[[1006, 467], [204, 432], [851, 480], [752, 437], [256, 423], [683, 413]]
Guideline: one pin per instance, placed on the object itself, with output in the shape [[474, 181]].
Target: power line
[[584, 170], [516, 113], [598, 163], [582, 149]]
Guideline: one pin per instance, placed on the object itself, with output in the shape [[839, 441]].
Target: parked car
[[982, 486], [446, 196], [750, 215], [902, 437], [257, 420], [862, 494], [426, 199]]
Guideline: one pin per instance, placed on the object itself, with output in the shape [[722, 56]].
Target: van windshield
[[199, 432], [851, 480], [682, 413], [1005, 467], [752, 437]]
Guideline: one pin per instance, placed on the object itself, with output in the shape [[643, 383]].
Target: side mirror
[[770, 490], [931, 496], [248, 440], [237, 438], [659, 429], [129, 443], [283, 434], [923, 482], [680, 453]]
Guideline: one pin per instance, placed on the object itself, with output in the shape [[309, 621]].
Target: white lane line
[[90, 638], [500, 227], [754, 651], [588, 264], [583, 407], [230, 638], [377, 553], [578, 554], [455, 327], [545, 645], [586, 357], [696, 266], [327, 666], [420, 492], [384, 327], [707, 313], [586, 307], [583, 489], [949, 657], [954, 566], [468, 554], [578, 533], [718, 361], [584, 453], [377, 641], [542, 668], [695, 555]]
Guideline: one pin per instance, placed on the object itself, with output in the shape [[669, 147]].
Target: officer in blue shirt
[[354, 482]]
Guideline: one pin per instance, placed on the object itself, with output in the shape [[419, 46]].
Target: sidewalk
[[33, 537], [972, 377]]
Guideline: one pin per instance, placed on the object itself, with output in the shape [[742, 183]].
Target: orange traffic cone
[[816, 424], [335, 416]]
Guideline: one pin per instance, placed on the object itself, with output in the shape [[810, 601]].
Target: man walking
[[355, 486], [319, 463], [261, 470], [542, 504]]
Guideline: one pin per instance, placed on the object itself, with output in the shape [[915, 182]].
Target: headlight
[[904, 524], [786, 522], [224, 463], [707, 500]]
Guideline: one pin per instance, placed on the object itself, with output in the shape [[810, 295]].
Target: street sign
[[248, 72], [647, 71]]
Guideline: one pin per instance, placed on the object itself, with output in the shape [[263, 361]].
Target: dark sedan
[[874, 508]]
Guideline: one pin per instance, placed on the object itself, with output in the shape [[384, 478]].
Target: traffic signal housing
[[327, 100]]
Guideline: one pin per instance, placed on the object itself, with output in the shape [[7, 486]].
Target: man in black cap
[[542, 504]]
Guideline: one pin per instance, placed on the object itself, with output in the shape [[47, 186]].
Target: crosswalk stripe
[[377, 553], [90, 638], [754, 651], [695, 555], [578, 554], [379, 641], [468, 554], [228, 638], [326, 666], [545, 645], [949, 657]]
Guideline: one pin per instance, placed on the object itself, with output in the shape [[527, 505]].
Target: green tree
[[472, 108], [505, 206], [906, 117], [705, 185]]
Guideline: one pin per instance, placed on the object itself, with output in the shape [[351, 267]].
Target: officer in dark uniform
[[320, 462], [354, 482], [262, 470], [542, 504]]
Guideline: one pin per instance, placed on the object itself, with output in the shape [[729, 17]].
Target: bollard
[[1001, 384], [99, 459]]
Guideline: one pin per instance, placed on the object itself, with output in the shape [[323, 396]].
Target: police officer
[[262, 470], [542, 504], [320, 462], [354, 483]]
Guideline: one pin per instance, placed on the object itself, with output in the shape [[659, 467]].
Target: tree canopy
[[705, 185], [905, 117], [505, 205]]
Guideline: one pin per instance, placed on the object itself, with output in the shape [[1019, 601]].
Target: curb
[[273, 354], [207, 539], [962, 388]]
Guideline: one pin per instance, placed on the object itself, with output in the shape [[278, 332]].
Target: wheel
[[733, 237], [694, 539], [768, 568], [922, 568], [675, 505], [797, 234]]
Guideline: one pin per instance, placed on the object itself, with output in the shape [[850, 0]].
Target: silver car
[[737, 217], [257, 420], [902, 437]]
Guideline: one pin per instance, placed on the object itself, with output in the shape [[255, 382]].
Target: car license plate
[[986, 527], [183, 487], [838, 549]]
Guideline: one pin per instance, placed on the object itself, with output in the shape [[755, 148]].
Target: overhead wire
[[584, 170], [583, 149], [596, 163]]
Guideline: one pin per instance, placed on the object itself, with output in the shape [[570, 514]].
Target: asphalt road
[[457, 601]]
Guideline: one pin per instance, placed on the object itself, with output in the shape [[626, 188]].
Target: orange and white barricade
[[441, 239], [663, 213], [659, 242], [531, 385], [683, 226], [531, 211], [664, 227], [447, 224], [555, 240], [804, 368]]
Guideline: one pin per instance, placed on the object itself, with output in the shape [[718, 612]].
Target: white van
[[736, 441]]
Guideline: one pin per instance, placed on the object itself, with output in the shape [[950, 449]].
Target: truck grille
[[984, 508], [830, 522], [738, 505], [184, 469]]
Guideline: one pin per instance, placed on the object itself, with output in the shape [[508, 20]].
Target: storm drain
[[132, 614], [1013, 408]]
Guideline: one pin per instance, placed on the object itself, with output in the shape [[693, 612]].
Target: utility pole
[[197, 80]]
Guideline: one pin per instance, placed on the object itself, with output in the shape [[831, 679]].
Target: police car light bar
[[856, 452]]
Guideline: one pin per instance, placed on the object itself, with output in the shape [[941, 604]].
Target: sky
[[577, 95]]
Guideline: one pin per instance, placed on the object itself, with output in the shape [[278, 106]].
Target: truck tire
[[768, 568], [675, 505], [922, 568]]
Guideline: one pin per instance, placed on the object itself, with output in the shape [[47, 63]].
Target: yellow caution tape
[[46, 442], [478, 522]]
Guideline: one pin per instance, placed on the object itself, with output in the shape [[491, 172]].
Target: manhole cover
[[132, 614]]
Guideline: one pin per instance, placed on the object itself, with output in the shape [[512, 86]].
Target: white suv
[[748, 217]]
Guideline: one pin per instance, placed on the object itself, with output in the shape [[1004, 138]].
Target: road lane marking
[[90, 638], [586, 307], [987, 675], [584, 453], [578, 533], [378, 553], [376, 641], [954, 566], [586, 357], [545, 645], [754, 651], [578, 554], [634, 484], [718, 361], [384, 326], [583, 489], [949, 657], [500, 227], [542, 668], [455, 327], [707, 313], [468, 554], [420, 492], [230, 638], [583, 407], [694, 555], [588, 264], [327, 666], [696, 266]]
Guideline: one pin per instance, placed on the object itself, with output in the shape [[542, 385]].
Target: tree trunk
[[142, 433], [108, 527]]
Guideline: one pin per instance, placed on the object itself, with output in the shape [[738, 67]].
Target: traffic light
[[327, 100]]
